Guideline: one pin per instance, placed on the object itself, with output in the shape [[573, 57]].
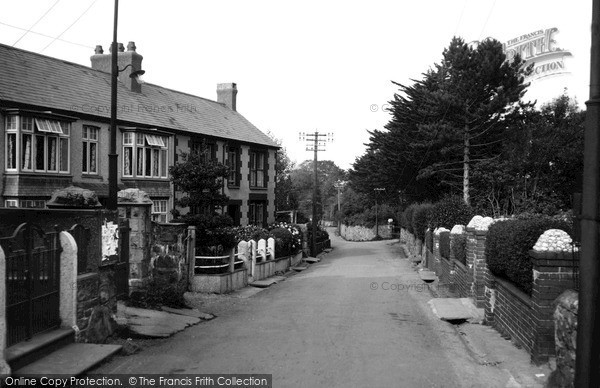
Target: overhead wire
[[71, 25], [34, 24], [45, 35]]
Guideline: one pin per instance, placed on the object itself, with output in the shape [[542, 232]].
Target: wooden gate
[[32, 282]]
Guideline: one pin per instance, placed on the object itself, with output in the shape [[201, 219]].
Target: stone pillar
[[135, 205], [471, 256], [262, 250], [565, 323], [552, 275], [68, 281], [244, 255]]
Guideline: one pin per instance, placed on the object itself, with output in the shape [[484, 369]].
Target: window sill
[[92, 176], [130, 178], [40, 173], [236, 187], [258, 188]]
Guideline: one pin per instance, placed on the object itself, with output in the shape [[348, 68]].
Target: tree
[[200, 179], [302, 178], [444, 125], [285, 197]]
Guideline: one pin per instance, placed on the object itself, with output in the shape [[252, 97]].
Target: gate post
[[68, 280], [191, 254], [4, 368]]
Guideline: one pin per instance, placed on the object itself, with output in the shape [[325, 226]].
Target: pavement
[[356, 318]]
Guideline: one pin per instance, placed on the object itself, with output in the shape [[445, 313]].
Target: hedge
[[421, 218], [451, 211], [459, 248], [429, 240], [445, 245], [509, 242], [407, 217]]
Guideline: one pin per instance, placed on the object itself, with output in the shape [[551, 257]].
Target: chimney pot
[[131, 46], [121, 48], [98, 49]]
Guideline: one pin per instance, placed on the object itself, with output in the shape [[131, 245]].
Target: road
[[348, 321]]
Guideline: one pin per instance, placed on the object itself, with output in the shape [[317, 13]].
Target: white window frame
[[90, 136], [159, 210], [11, 203], [35, 128], [147, 152]]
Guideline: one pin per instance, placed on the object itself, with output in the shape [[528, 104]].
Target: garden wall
[[361, 233], [527, 320]]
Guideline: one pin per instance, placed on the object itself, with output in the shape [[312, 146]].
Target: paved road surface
[[337, 324]]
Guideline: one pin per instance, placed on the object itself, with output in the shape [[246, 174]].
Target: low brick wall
[[510, 311]]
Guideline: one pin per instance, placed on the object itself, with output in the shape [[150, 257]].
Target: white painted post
[[262, 249], [68, 280], [242, 249], [271, 247]]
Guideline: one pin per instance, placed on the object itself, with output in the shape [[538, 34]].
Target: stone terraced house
[[54, 129]]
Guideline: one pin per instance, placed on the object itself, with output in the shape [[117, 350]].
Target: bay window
[[39, 145], [145, 154], [159, 210]]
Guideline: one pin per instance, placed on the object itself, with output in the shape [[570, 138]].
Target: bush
[[250, 232], [407, 217], [459, 248], [296, 233], [429, 240], [284, 242], [445, 245], [159, 291], [421, 219], [508, 244], [451, 211]]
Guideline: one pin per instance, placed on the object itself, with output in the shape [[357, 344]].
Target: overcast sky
[[300, 66]]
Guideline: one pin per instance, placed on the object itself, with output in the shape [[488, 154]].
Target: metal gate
[[32, 282]]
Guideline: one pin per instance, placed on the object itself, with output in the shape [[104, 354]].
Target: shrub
[[508, 244], [451, 211], [407, 217], [284, 242], [159, 291], [429, 240], [296, 232], [421, 219], [445, 245], [459, 248], [250, 232]]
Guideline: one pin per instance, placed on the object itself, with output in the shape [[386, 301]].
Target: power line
[[460, 18], [44, 35], [487, 19], [34, 24], [72, 24]]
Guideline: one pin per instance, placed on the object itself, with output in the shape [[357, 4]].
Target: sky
[[300, 66]]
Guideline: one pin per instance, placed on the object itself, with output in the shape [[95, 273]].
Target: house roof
[[51, 83]]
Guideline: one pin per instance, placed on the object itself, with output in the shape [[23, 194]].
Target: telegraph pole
[[377, 190], [588, 329], [315, 142]]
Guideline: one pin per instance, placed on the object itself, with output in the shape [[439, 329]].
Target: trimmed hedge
[[407, 217], [421, 219], [445, 244], [459, 248], [451, 211], [284, 241], [508, 245]]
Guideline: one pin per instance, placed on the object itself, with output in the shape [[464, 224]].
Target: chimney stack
[[102, 62], [226, 94]]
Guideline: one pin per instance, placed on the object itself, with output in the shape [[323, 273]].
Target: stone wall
[[361, 233], [565, 321]]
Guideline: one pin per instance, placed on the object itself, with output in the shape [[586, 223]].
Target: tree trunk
[[466, 162]]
